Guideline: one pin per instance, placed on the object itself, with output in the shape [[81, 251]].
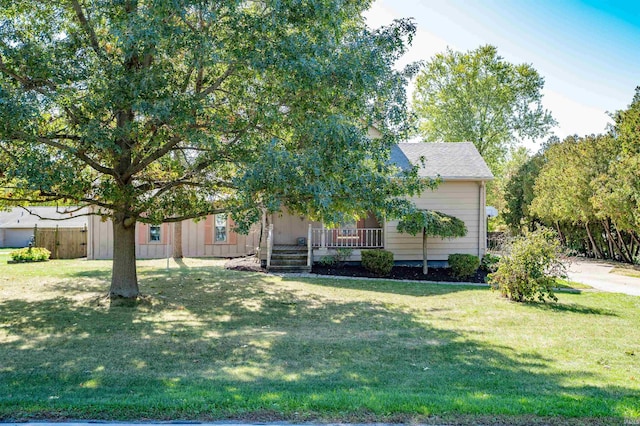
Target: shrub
[[489, 262], [30, 254], [342, 254], [379, 262], [328, 260], [530, 268], [337, 259], [463, 265]]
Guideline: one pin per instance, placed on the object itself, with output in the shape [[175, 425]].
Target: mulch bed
[[399, 273]]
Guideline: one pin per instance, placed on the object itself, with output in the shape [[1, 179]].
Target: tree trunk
[[124, 279], [596, 249], [177, 240], [623, 245], [613, 242], [563, 241], [425, 268]]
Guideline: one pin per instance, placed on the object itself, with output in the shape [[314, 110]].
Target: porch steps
[[289, 259]]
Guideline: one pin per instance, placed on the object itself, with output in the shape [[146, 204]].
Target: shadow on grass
[[380, 285], [215, 344], [573, 308]]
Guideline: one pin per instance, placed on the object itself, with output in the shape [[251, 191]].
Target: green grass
[[627, 270], [211, 344], [566, 284]]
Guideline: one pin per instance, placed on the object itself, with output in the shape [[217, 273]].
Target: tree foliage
[[519, 193], [587, 188], [479, 97], [618, 190], [432, 223], [529, 270], [158, 111]]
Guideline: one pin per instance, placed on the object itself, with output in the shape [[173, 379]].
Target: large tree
[[159, 111], [618, 189], [477, 96]]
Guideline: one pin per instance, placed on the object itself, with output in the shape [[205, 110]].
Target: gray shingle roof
[[449, 160], [18, 218]]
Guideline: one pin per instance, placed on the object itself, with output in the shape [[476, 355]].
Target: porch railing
[[347, 237]]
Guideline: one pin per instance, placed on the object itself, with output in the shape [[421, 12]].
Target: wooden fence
[[63, 243]]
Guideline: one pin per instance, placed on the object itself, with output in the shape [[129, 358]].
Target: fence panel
[[63, 243]]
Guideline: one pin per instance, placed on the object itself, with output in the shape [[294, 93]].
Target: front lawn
[[627, 270], [211, 344]]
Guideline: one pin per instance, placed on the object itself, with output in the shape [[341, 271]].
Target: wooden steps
[[289, 259]]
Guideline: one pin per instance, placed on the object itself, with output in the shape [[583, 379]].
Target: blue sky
[[587, 51]]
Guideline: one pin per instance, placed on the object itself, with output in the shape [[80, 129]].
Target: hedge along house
[[295, 243]]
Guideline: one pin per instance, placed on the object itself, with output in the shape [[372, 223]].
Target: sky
[[587, 51]]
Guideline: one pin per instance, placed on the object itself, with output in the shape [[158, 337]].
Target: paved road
[[598, 275]]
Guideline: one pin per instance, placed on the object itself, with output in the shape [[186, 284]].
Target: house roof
[[19, 218], [450, 161]]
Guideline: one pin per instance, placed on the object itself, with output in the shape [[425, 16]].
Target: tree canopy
[[477, 96], [431, 223], [159, 111], [587, 188]]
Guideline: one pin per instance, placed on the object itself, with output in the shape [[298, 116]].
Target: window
[[221, 228], [154, 233]]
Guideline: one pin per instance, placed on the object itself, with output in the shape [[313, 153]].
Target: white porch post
[[309, 247], [269, 245]]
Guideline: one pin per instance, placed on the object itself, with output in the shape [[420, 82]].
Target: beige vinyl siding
[[194, 243], [287, 228], [461, 199], [100, 240], [356, 254]]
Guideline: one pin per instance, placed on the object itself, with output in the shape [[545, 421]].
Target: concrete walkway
[[597, 274]]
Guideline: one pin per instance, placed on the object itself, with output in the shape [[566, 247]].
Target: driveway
[[598, 275]]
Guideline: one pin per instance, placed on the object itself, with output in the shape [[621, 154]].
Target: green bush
[[379, 262], [30, 254], [530, 268], [328, 260], [463, 265], [337, 259], [489, 262]]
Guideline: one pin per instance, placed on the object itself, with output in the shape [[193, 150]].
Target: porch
[[320, 242]]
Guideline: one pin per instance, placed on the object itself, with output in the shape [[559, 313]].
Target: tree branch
[[78, 154], [86, 26], [218, 82], [141, 164]]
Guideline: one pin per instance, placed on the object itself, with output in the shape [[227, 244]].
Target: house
[[212, 237], [62, 230], [462, 194], [293, 241]]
